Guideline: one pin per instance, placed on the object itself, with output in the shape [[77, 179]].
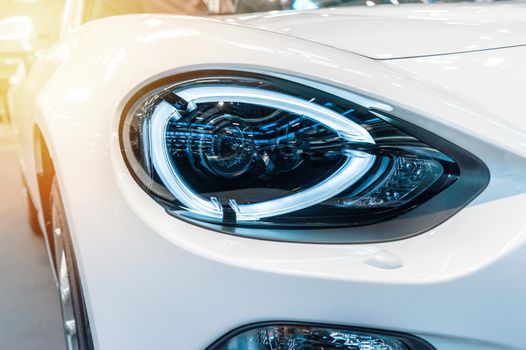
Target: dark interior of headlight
[[241, 152], [250, 158]]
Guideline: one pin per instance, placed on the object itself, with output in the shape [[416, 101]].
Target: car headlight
[[239, 152], [301, 336]]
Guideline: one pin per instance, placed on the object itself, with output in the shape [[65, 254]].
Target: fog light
[[292, 336]]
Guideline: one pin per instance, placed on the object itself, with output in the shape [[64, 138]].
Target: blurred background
[[30, 315]]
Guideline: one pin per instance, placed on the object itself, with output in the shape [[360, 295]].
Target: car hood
[[387, 32]]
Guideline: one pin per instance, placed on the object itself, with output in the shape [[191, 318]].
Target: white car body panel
[[494, 81], [153, 281], [386, 32]]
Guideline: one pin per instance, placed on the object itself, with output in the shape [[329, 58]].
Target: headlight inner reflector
[[239, 141]]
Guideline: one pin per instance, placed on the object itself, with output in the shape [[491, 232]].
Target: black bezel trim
[[474, 178], [412, 342]]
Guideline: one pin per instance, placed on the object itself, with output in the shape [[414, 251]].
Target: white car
[[337, 178]]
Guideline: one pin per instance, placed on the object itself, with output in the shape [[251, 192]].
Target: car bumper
[[153, 281]]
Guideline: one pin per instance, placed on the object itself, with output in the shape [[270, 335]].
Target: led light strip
[[354, 167], [343, 126]]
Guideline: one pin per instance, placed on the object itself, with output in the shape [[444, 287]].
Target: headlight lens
[[249, 151]]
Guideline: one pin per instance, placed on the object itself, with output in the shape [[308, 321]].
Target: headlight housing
[[304, 336], [241, 152]]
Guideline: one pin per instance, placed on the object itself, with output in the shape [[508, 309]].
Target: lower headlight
[[238, 152], [294, 336]]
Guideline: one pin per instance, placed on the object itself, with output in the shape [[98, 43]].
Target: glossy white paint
[[152, 281], [495, 81], [388, 31]]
